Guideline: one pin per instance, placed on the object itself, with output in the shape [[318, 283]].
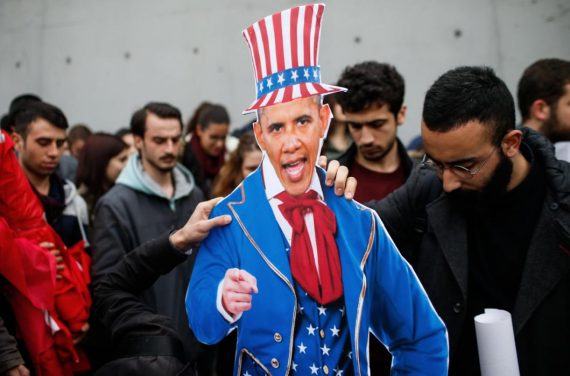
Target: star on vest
[[285, 50]]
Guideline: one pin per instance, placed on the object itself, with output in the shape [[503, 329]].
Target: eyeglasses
[[459, 170]]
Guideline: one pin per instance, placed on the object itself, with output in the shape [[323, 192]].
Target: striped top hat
[[285, 50]]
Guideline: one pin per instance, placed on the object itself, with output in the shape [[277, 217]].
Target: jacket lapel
[[259, 225], [546, 263], [450, 230]]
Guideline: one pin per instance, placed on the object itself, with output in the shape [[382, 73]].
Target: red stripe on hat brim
[[322, 89]]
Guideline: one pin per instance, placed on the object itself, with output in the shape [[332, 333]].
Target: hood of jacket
[[557, 171], [134, 177]]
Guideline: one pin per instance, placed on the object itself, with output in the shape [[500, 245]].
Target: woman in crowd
[[100, 163], [241, 163], [205, 153]]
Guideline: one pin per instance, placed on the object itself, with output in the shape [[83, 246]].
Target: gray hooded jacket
[[135, 211]]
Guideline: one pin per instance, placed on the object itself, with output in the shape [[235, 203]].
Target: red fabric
[[328, 287], [33, 291], [374, 185]]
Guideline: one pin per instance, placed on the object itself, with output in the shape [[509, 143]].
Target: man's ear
[[401, 118], [18, 141], [138, 142], [539, 110], [325, 115], [257, 132], [511, 143]]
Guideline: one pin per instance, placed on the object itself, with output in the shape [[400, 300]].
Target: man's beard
[[553, 129], [492, 193], [381, 155]]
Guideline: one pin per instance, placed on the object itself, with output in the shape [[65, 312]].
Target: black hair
[[78, 132], [162, 110], [38, 110], [545, 79], [17, 104], [21, 101], [464, 94], [214, 113], [371, 83], [123, 132]]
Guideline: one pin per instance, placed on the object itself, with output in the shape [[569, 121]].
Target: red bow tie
[[303, 268]]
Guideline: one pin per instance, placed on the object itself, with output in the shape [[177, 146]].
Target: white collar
[[273, 185]]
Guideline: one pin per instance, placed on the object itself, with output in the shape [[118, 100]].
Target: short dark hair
[[17, 104], [545, 79], [123, 132], [78, 132], [464, 94], [38, 110], [371, 83], [21, 101], [162, 110], [214, 113]]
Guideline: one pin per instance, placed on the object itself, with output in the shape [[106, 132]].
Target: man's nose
[[366, 136], [450, 181], [291, 142], [53, 150], [169, 146]]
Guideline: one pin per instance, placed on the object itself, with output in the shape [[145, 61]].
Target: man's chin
[[296, 187]]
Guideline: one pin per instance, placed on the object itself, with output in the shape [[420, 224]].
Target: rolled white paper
[[496, 343]]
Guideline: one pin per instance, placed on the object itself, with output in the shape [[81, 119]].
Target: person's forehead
[[376, 112], [289, 110], [465, 141], [218, 128], [167, 127], [40, 127]]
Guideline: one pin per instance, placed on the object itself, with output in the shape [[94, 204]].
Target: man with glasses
[[373, 109], [485, 222]]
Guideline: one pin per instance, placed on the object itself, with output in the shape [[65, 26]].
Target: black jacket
[[145, 342], [432, 235], [133, 212], [9, 355]]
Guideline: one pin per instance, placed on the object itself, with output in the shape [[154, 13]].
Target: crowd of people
[[102, 233]]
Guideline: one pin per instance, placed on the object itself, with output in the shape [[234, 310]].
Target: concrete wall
[[99, 60]]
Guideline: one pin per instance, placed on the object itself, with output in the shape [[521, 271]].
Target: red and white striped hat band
[[285, 49]]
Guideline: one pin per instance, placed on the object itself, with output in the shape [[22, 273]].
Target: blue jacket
[[381, 292]]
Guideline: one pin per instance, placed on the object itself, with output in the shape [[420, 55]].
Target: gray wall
[[99, 60]]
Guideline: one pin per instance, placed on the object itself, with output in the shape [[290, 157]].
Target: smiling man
[[303, 275]]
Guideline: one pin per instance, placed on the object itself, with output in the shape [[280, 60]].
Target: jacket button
[[277, 337], [274, 363], [322, 333], [457, 307], [554, 206], [326, 370]]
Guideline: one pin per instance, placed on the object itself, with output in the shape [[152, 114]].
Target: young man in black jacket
[[485, 222], [132, 321]]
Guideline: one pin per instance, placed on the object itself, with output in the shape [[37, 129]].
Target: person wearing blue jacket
[[305, 276]]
